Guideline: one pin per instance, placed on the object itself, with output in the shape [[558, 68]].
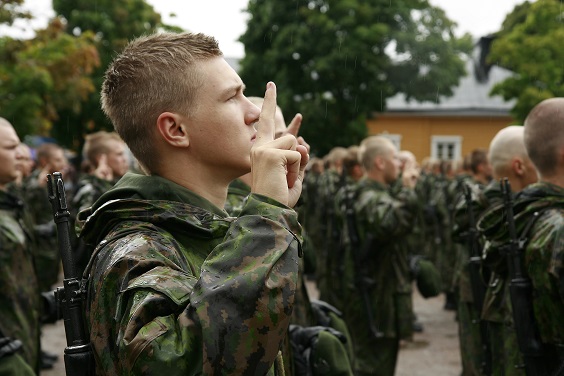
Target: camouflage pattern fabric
[[325, 238], [19, 293], [178, 288], [543, 261], [89, 189], [47, 256], [303, 314], [387, 220]]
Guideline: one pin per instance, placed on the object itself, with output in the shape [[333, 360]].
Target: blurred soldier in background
[[19, 292]]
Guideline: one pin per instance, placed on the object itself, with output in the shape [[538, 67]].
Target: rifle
[[79, 359], [359, 279], [521, 293], [478, 286]]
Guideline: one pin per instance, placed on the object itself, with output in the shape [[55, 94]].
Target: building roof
[[470, 98]]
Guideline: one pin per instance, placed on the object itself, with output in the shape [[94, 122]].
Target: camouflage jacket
[[177, 287], [387, 219], [544, 252], [236, 195], [19, 293], [89, 189]]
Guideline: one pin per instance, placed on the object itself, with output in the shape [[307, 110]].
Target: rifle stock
[[78, 356]]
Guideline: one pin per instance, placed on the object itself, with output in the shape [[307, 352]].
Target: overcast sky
[[225, 20]]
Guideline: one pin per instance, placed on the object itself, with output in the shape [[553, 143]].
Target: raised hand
[[277, 165], [103, 170]]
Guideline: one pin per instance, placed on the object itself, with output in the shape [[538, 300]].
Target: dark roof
[[471, 98]]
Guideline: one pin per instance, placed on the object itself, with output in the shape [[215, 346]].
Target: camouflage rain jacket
[[388, 219], [89, 188], [19, 292], [544, 252], [179, 288]]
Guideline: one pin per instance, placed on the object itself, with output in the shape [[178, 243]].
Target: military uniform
[[543, 257], [386, 276], [89, 189], [179, 287], [47, 255], [331, 357], [19, 293], [506, 358]]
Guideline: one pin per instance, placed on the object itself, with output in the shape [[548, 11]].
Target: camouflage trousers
[[14, 365], [506, 358], [470, 340], [379, 359]]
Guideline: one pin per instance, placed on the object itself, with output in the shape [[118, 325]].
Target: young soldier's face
[[118, 159], [10, 155], [221, 130]]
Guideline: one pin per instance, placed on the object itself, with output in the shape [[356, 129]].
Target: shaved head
[[372, 147], [544, 135], [507, 144]]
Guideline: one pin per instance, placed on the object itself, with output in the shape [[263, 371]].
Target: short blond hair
[[96, 144], [154, 74], [544, 134], [372, 147]]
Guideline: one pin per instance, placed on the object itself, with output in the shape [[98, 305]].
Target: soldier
[[50, 158], [19, 292], [106, 161], [325, 235], [538, 215], [380, 265], [176, 285], [508, 158]]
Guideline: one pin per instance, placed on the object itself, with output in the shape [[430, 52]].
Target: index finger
[[265, 132], [294, 126]]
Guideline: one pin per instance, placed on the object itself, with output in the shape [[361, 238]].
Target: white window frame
[[444, 140]]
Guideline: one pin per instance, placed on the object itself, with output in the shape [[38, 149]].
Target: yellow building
[[452, 128]]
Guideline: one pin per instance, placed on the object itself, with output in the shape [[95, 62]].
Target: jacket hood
[[149, 199], [493, 225]]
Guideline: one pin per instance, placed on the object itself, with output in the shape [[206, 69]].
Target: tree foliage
[[11, 10], [45, 76], [114, 23], [530, 44], [338, 61]]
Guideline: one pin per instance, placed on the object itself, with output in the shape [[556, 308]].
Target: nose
[[252, 112]]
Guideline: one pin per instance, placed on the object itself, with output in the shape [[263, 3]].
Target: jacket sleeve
[[230, 320], [386, 217]]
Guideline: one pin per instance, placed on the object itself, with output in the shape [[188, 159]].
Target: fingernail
[[269, 85]]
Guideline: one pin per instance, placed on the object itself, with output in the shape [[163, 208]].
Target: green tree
[[44, 76], [338, 61], [11, 10], [114, 24], [529, 44]]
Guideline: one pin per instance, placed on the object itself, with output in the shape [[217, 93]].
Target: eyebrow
[[234, 89]]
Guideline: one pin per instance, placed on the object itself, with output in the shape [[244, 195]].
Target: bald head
[[544, 135], [372, 147], [507, 144], [5, 123]]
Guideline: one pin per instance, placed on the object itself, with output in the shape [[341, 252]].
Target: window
[[446, 147]]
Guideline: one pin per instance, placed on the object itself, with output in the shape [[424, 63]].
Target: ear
[[518, 166], [172, 129]]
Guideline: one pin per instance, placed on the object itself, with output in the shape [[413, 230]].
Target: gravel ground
[[435, 352]]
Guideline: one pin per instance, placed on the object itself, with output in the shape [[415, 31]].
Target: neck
[[376, 176], [199, 180], [556, 179], [247, 179]]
